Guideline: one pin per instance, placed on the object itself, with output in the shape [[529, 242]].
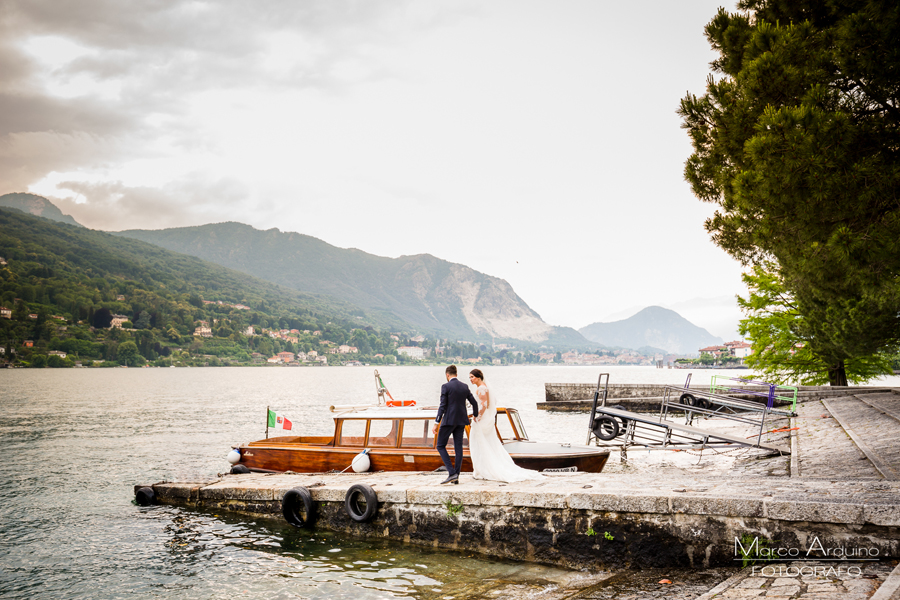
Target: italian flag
[[278, 421]]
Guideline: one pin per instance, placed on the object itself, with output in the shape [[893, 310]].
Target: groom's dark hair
[[451, 370]]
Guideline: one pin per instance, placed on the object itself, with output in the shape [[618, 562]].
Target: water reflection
[[76, 441], [220, 555]]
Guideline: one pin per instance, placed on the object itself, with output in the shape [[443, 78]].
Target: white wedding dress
[[490, 460]]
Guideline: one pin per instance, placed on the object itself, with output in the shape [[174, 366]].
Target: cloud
[[115, 206], [137, 73]]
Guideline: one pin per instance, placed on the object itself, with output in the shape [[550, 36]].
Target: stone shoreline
[[667, 510]]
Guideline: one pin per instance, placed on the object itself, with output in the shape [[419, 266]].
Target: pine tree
[[798, 142]]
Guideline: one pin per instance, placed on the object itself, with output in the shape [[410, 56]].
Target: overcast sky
[[536, 141]]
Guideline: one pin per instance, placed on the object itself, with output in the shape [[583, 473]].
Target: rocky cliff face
[[423, 290], [37, 206]]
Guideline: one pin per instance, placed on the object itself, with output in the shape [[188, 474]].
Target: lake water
[[75, 441]]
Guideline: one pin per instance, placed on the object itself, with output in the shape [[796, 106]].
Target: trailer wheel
[[703, 403], [297, 507], [145, 496], [606, 427], [239, 469], [361, 502]]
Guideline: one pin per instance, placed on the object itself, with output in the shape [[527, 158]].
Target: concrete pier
[[578, 397], [582, 520]]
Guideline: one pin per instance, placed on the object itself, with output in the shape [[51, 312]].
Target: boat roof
[[385, 412]]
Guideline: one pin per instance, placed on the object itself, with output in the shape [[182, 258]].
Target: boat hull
[[310, 459]]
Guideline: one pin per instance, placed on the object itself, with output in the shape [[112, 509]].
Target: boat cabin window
[[517, 423], [383, 432], [504, 427], [353, 432], [417, 434]]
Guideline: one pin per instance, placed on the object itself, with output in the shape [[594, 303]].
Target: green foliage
[[784, 351], [452, 509], [750, 557], [57, 362], [84, 277], [590, 532], [127, 354], [796, 142]]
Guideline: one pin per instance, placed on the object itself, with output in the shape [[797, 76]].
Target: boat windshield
[[517, 423], [504, 427]]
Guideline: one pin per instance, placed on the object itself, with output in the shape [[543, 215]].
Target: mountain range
[[429, 293], [655, 327], [422, 292]]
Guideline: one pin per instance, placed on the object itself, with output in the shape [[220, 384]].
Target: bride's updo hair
[[477, 373]]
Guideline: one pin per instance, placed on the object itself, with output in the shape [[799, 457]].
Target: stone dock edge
[[583, 520]]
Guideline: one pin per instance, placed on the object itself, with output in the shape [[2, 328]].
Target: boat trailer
[[613, 426]]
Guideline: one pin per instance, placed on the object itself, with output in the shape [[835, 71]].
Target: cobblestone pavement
[[808, 581], [654, 583], [826, 451], [875, 428]]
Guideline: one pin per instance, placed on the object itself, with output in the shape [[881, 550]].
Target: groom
[[452, 419]]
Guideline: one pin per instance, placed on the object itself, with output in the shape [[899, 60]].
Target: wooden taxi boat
[[400, 439]]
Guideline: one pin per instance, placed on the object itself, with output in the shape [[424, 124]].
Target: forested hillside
[[63, 285], [430, 293]]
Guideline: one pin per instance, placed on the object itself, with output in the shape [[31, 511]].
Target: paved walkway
[[805, 581], [871, 424], [826, 451]]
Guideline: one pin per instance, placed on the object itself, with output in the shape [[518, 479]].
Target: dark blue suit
[[453, 418]]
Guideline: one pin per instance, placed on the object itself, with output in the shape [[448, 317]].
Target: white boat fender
[[145, 496], [361, 462], [297, 507], [234, 457], [361, 502]]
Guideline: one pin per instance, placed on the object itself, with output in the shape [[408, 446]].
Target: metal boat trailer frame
[[615, 427]]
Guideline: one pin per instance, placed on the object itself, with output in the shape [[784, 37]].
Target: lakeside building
[[117, 321], [739, 349], [5, 313], [412, 352], [203, 329]]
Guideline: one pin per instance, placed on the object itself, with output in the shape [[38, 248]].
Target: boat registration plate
[[572, 469]]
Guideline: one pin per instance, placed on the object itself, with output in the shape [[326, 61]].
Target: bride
[[490, 460]]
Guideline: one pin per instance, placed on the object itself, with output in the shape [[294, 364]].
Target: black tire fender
[[145, 496], [239, 469], [353, 506], [687, 399], [623, 422], [606, 427], [296, 503]]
